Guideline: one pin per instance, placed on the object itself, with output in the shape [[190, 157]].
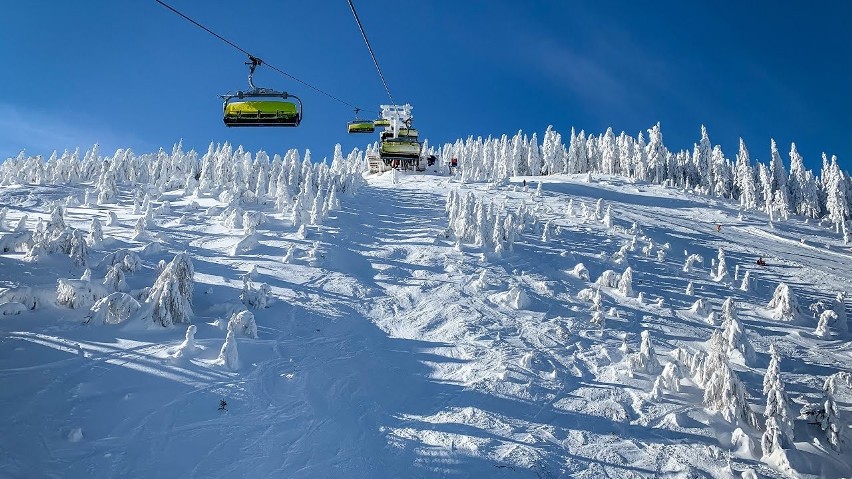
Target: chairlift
[[255, 107], [360, 126]]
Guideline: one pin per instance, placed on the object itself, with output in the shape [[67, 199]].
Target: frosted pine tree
[[115, 279], [745, 285], [228, 355], [784, 304], [826, 319], [316, 209], [139, 232], [607, 219], [723, 390], [625, 283], [729, 312], [835, 202], [21, 226], [169, 300], [598, 317], [777, 403], [839, 308], [533, 157], [797, 180], [609, 158], [721, 275], [640, 159], [187, 347], [765, 179], [810, 206], [56, 224], [734, 333], [96, 233], [598, 209], [657, 155], [744, 179], [79, 251], [243, 323], [780, 190], [703, 163], [333, 203], [646, 359], [830, 422]]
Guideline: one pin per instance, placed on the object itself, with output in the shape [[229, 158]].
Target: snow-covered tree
[[721, 275], [187, 347], [114, 308], [21, 226], [826, 319], [243, 323], [723, 390], [625, 282], [764, 176], [836, 203], [839, 307], [646, 359], [691, 260], [780, 189], [744, 179], [96, 233], [229, 356], [115, 279], [668, 379], [169, 300], [78, 293], [745, 285], [784, 304], [79, 248], [657, 155], [533, 157], [735, 335], [777, 403], [256, 297], [607, 219], [56, 224], [825, 413]]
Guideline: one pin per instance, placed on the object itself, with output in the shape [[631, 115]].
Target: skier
[[760, 261], [718, 228], [223, 406]]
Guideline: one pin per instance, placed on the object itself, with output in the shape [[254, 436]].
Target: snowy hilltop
[[601, 308]]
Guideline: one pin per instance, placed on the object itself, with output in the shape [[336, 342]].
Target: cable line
[[370, 48], [259, 61]]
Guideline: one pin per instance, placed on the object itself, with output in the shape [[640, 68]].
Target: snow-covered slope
[[390, 347]]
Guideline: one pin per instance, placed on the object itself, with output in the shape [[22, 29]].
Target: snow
[[383, 351]]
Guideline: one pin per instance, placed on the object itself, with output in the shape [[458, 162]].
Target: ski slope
[[390, 351]]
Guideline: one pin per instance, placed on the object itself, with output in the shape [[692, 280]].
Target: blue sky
[[134, 74]]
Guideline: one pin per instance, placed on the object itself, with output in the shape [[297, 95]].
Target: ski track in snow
[[382, 357]]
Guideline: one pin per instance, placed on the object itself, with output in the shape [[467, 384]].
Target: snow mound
[[115, 308], [515, 298]]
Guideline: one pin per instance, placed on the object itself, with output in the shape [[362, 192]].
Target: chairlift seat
[[261, 113], [399, 148], [359, 126]]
